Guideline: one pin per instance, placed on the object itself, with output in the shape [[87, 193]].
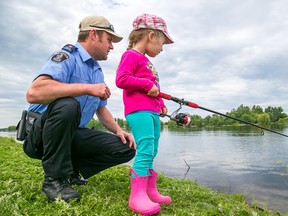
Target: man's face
[[103, 46]]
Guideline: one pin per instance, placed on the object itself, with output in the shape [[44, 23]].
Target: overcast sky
[[226, 52]]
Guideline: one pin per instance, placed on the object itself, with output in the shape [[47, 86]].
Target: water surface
[[231, 160]]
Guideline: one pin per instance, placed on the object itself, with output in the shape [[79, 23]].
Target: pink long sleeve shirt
[[136, 76]]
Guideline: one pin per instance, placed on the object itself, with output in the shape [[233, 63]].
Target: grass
[[106, 194]]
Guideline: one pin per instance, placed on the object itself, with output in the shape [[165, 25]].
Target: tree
[[216, 120], [95, 124], [247, 117], [257, 109], [229, 121], [196, 120], [241, 110], [171, 124], [283, 120], [122, 123], [206, 120], [12, 128], [263, 119], [275, 113]]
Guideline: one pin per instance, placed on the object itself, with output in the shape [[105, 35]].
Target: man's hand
[[124, 136], [108, 121], [101, 90]]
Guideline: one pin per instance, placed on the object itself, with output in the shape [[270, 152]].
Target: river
[[236, 160], [229, 160]]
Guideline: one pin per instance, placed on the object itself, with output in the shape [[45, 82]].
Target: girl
[[139, 80]]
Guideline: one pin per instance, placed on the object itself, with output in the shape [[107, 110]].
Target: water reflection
[[230, 160]]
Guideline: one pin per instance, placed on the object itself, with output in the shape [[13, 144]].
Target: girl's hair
[[83, 35], [137, 35]]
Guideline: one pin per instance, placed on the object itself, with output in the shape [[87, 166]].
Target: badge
[[70, 48], [60, 57]]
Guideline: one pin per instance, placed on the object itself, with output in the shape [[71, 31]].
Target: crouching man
[[66, 93]]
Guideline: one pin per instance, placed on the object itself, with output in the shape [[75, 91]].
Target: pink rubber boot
[[139, 200], [152, 191]]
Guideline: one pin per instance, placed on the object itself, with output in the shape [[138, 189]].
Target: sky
[[226, 52]]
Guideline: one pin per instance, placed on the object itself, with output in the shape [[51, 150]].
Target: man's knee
[[127, 151], [69, 104], [132, 154], [67, 108]]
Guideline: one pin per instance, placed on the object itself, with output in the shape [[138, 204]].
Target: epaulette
[[70, 48]]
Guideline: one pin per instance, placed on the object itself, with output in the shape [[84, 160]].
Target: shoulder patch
[[70, 48], [60, 57]]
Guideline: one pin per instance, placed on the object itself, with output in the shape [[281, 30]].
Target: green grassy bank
[[106, 193]]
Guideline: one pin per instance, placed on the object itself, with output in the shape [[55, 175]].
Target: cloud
[[226, 53]]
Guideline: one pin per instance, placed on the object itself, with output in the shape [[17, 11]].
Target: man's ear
[[93, 34]]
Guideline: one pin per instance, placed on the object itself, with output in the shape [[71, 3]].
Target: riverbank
[[106, 193]]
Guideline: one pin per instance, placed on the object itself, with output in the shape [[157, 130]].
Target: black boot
[[77, 179], [54, 187]]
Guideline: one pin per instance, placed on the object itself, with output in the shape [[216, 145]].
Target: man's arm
[[44, 90], [108, 121]]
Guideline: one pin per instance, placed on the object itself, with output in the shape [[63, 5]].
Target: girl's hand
[[153, 92], [163, 111]]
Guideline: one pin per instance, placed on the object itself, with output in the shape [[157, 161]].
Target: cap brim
[[168, 39], [116, 38]]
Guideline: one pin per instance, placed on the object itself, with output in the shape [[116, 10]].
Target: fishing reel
[[180, 118]]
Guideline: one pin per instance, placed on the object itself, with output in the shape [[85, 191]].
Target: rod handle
[[164, 95]]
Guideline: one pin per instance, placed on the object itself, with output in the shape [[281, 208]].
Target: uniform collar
[[83, 53], [86, 56]]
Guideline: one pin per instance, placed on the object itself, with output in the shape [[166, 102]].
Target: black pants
[[63, 147]]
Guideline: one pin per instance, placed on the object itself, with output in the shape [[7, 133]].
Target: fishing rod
[[183, 118]]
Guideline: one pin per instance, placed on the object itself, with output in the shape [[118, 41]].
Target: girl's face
[[155, 44]]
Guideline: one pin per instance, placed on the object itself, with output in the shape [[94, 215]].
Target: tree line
[[255, 114]]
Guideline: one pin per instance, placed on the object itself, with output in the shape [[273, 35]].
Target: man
[[67, 92]]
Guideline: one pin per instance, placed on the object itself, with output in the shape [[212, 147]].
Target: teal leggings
[[145, 128]]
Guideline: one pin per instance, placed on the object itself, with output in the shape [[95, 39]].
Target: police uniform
[[59, 137]]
